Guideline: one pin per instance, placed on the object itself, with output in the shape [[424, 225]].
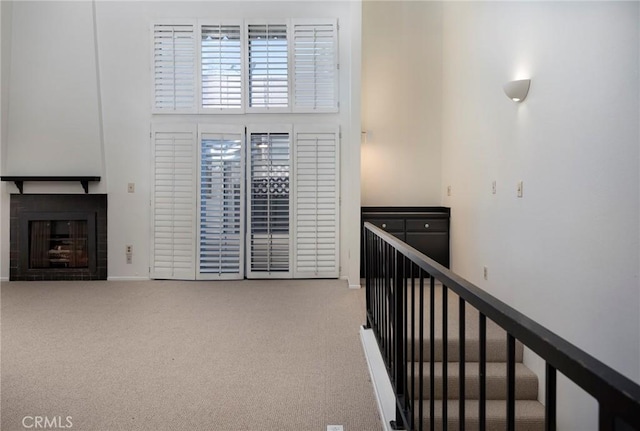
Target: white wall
[[53, 113], [6, 11], [124, 54], [567, 253], [401, 102]]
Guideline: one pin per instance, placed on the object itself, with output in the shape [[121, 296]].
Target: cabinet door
[[434, 244]]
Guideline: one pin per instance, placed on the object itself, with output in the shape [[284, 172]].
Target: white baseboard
[[4, 279], [128, 278], [351, 286], [379, 378]]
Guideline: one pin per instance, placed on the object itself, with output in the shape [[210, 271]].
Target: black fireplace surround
[[58, 237]]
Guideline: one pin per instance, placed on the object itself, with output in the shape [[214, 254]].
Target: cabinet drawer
[[427, 225], [390, 225]]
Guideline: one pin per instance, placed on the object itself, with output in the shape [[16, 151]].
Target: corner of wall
[[6, 12]]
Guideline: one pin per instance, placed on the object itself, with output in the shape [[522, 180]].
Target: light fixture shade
[[517, 90]]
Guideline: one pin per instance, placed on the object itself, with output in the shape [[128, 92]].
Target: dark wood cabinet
[[423, 228]]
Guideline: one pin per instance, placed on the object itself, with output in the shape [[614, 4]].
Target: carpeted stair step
[[496, 381], [529, 415], [496, 348], [495, 335]]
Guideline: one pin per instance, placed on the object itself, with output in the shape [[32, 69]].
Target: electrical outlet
[[129, 259], [335, 428], [486, 273], [493, 187], [131, 187], [129, 249], [519, 189], [448, 190]]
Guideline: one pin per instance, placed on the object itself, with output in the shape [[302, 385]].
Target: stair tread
[[496, 381], [530, 415]]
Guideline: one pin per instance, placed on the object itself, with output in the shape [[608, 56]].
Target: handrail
[[619, 397]]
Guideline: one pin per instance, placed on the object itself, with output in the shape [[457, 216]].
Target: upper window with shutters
[[236, 67]]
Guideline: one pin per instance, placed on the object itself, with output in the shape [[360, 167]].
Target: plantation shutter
[[269, 238], [317, 210], [221, 66], [174, 68], [173, 197], [221, 197], [315, 63], [268, 66]]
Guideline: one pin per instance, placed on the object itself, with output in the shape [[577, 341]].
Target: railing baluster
[[462, 342], [413, 346], [482, 404], [432, 352], [405, 333], [445, 357], [387, 302], [399, 340], [550, 398], [605, 419], [511, 383], [420, 353]]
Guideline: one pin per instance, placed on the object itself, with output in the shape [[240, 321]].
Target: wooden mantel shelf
[[19, 180]]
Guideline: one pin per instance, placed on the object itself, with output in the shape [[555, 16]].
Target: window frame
[[173, 22], [245, 84], [243, 77], [336, 64]]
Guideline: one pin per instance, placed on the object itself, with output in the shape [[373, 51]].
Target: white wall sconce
[[517, 90]]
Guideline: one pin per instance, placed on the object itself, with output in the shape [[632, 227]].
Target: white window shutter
[[315, 65], [221, 202], [269, 239], [268, 67], [173, 196], [317, 208], [174, 68], [221, 71]]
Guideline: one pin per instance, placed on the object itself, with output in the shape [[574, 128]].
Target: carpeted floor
[[166, 355]]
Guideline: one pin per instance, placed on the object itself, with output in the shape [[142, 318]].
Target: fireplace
[[58, 237]]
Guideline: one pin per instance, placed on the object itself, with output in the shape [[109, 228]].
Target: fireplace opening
[[58, 237], [58, 244]]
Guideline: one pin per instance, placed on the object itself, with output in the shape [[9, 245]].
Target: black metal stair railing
[[396, 273]]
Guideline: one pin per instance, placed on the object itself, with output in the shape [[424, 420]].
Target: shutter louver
[[221, 224], [316, 204], [315, 74], [221, 66], [172, 203], [174, 68], [268, 66], [269, 239]]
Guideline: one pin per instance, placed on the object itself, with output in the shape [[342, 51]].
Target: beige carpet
[[164, 355]]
